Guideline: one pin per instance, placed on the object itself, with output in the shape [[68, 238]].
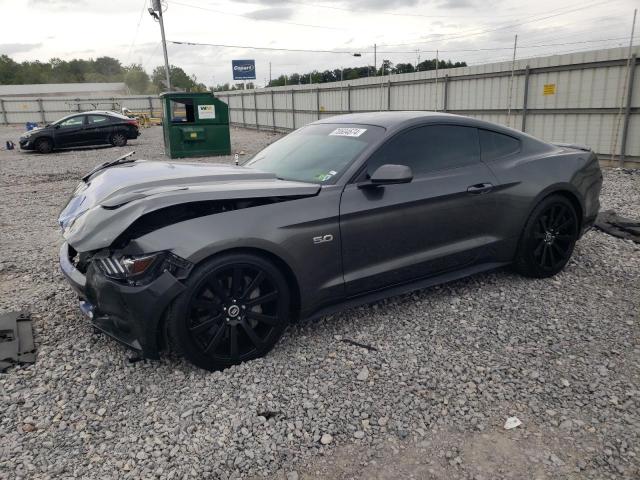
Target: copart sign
[[244, 69]]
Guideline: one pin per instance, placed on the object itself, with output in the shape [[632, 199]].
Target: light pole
[[156, 13]]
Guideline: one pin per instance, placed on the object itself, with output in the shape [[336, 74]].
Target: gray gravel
[[450, 364]]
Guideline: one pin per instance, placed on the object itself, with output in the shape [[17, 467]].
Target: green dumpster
[[195, 125]]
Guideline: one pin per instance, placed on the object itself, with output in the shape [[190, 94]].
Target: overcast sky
[[476, 31]]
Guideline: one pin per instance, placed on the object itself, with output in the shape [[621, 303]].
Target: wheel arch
[[566, 190], [280, 264], [48, 137]]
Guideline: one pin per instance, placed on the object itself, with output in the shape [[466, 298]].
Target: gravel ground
[[449, 365]]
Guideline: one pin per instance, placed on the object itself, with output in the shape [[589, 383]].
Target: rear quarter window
[[494, 145]]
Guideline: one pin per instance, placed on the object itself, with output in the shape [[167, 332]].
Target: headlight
[[141, 269]]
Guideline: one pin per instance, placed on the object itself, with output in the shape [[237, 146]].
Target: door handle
[[480, 188]]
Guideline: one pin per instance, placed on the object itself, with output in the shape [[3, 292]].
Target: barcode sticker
[[348, 132]]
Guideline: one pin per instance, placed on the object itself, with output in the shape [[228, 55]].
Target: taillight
[[133, 122]]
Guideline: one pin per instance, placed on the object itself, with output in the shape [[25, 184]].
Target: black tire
[[548, 238], [118, 139], [44, 145], [201, 325]]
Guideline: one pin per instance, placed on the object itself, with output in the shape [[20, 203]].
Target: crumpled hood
[[111, 199]]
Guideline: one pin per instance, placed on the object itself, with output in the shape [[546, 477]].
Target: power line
[[135, 37], [453, 36], [505, 48], [282, 49], [266, 48], [252, 18]]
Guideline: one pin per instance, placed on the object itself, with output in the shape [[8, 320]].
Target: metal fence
[[49, 109], [589, 98]]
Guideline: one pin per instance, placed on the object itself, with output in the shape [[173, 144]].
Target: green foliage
[[102, 69], [137, 79], [352, 73], [179, 80]]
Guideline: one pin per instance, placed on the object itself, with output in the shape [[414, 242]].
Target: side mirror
[[389, 175], [56, 126]]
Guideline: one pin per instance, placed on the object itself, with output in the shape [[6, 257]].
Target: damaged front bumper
[[130, 314]]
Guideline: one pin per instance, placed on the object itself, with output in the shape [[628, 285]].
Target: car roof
[[388, 119], [94, 112], [397, 120]]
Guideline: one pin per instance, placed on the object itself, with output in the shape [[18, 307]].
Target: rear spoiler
[[575, 146]]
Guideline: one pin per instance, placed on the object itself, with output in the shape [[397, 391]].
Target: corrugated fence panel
[[573, 98]]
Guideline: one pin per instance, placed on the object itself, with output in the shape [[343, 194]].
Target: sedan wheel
[[44, 145], [118, 139], [235, 309], [548, 239]]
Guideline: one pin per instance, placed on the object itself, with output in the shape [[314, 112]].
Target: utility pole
[[436, 87], [513, 67], [616, 126], [375, 60], [157, 7], [269, 73]]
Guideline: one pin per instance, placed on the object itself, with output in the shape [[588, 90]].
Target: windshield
[[316, 153]]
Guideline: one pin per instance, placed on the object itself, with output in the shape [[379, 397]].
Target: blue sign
[[244, 69]]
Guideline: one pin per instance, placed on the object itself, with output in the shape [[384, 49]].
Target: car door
[[98, 129], [442, 220], [70, 132]]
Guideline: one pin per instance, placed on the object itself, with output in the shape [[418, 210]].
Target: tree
[[404, 68], [109, 67], [137, 79], [386, 68], [179, 79]]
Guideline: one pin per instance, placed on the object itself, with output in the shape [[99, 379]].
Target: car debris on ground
[[16, 340], [617, 226]]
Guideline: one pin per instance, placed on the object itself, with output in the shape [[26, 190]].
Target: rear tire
[[118, 139], [548, 238], [235, 308], [44, 145]]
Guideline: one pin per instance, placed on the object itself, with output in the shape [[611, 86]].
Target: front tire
[[548, 238], [44, 145], [118, 139], [235, 308]]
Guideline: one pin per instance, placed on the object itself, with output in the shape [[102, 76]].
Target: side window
[[429, 148], [73, 122], [181, 110], [496, 145], [96, 120]]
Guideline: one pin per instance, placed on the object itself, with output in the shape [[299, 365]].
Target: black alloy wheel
[[44, 145], [235, 309], [118, 139], [549, 238]]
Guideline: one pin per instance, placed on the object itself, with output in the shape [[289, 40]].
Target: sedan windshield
[[316, 153]]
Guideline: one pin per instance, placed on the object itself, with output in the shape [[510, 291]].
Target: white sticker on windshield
[[348, 132]]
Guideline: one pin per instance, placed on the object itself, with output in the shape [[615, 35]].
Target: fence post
[[349, 98], [445, 99], [273, 112], [4, 112], [150, 106], [41, 110], [255, 107], [627, 111], [318, 101], [244, 123], [389, 93], [525, 100], [293, 108]]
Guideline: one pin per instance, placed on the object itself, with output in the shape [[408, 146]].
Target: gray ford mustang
[[214, 261]]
